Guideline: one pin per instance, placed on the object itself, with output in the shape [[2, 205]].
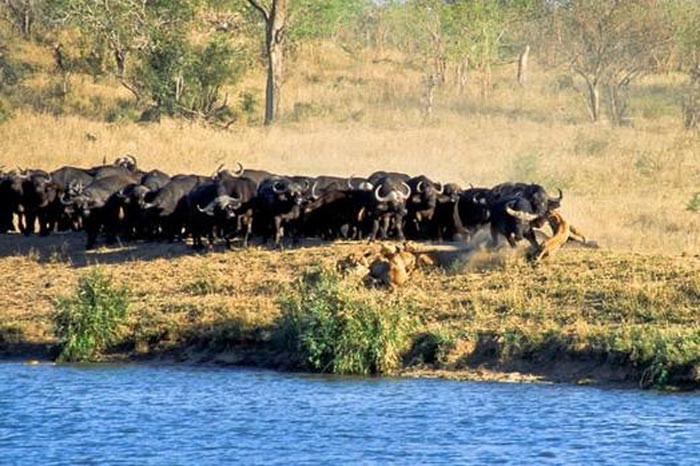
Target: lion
[[563, 232], [391, 266]]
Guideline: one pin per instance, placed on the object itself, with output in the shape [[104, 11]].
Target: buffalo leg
[[30, 221], [399, 227], [248, 231], [384, 231], [530, 236], [375, 230], [279, 232], [494, 237]]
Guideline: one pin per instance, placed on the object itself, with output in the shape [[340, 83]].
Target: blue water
[[185, 415]]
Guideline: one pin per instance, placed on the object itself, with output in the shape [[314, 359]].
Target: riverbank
[[585, 316]]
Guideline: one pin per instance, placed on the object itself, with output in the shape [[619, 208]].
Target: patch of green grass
[[5, 113], [596, 145], [431, 348], [648, 164], [89, 321], [694, 203], [664, 357], [332, 326], [207, 283]]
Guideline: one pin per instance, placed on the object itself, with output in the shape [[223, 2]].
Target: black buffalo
[[278, 207]]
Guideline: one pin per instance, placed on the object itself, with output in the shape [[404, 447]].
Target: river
[[140, 414]]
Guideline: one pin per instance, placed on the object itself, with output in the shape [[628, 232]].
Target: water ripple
[[54, 415]]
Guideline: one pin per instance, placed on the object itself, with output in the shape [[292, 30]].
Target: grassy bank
[[587, 316], [627, 313]]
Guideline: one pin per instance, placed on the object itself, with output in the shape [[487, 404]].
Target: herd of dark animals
[[123, 203]]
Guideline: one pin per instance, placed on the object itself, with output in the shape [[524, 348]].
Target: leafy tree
[[685, 16], [22, 15], [274, 15], [311, 19], [125, 26], [610, 43]]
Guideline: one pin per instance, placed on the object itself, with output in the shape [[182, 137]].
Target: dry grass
[[628, 188], [587, 301]]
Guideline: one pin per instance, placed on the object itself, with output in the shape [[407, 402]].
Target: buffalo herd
[[120, 202]]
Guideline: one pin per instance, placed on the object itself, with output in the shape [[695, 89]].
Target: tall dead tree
[[21, 14], [609, 44], [522, 65], [691, 104], [275, 18]]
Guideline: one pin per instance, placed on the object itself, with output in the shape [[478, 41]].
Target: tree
[[609, 44], [475, 29], [274, 16], [313, 19], [685, 16], [22, 14]]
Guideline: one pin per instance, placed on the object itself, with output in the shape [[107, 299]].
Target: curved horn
[[419, 187], [133, 159], [209, 209], [378, 197], [278, 187], [218, 170], [408, 190], [63, 200], [441, 190], [561, 196], [314, 195], [240, 169], [520, 215]]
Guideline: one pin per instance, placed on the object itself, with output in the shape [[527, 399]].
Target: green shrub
[[124, 110], [694, 203], [5, 113], [593, 145], [332, 326], [431, 348], [89, 321], [207, 282], [663, 357]]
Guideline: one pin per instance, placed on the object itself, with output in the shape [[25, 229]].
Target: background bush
[[89, 321], [333, 326]]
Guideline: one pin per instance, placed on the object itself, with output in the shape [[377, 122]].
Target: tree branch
[[265, 14]]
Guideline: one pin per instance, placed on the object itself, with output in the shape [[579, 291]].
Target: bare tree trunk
[[21, 16], [522, 65], [593, 100], [691, 105], [486, 79], [441, 68], [275, 24], [120, 61], [275, 73], [431, 82], [618, 104], [463, 74], [62, 67]]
